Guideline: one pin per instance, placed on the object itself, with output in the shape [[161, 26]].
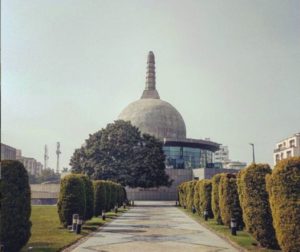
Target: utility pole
[[58, 152], [253, 153], [46, 157]]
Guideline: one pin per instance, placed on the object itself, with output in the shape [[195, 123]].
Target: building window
[[292, 143], [288, 154]]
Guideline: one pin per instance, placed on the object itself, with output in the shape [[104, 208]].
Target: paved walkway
[[154, 226]]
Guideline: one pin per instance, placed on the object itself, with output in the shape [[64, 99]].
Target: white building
[[222, 155], [289, 147], [236, 165]]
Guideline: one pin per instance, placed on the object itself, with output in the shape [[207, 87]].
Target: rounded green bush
[[254, 201], [215, 198], [15, 206], [283, 187], [205, 196], [71, 199], [99, 197], [229, 200]]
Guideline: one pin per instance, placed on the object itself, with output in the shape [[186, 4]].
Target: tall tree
[[120, 153]]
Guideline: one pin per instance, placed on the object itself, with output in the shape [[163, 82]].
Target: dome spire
[[150, 91]]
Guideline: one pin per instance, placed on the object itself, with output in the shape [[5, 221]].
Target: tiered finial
[[150, 91]]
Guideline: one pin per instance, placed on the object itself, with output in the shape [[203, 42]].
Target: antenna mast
[[46, 157], [58, 152]]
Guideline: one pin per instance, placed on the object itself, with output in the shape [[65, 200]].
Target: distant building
[[30, 164], [222, 160], [235, 165], [19, 154], [8, 152], [39, 168], [222, 155], [289, 147]]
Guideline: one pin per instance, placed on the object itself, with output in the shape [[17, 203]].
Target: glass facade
[[178, 157]]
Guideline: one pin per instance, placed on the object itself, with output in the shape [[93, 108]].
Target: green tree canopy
[[120, 153]]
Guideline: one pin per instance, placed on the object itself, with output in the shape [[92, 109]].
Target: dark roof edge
[[190, 142]]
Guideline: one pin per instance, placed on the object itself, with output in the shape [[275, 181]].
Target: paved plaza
[[154, 226]]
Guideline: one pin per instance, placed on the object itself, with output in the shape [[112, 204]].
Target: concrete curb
[[219, 235]]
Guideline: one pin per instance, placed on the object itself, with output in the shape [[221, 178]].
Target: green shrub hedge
[[205, 196], [254, 201], [89, 197], [100, 197], [283, 187], [215, 198], [72, 199], [190, 194], [182, 189], [113, 194], [197, 197], [108, 194], [229, 200], [15, 206]]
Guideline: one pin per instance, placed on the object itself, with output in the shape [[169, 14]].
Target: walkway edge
[[75, 244], [216, 233]]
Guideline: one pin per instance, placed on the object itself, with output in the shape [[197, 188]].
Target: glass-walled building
[[189, 153]]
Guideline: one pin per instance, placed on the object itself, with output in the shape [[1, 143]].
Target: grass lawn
[[243, 239], [47, 234]]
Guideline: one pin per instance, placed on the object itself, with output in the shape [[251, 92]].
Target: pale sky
[[231, 68]]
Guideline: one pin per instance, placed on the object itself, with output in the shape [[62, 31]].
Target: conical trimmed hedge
[[254, 201], [190, 194], [72, 199], [100, 197], [229, 200], [283, 186], [89, 196], [15, 206], [215, 198], [197, 199], [205, 196]]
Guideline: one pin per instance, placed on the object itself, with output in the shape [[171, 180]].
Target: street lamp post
[[253, 153]]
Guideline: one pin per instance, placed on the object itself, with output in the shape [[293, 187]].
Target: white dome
[[155, 117]]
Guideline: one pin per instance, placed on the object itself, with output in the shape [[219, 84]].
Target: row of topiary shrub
[[79, 195], [15, 206], [266, 202]]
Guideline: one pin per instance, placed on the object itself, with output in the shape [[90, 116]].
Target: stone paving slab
[[154, 227]]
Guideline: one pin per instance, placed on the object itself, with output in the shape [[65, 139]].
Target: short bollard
[[193, 209], [124, 205], [233, 226], [78, 226], [176, 203], [184, 206], [75, 217], [116, 209], [103, 215], [132, 203], [205, 215]]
